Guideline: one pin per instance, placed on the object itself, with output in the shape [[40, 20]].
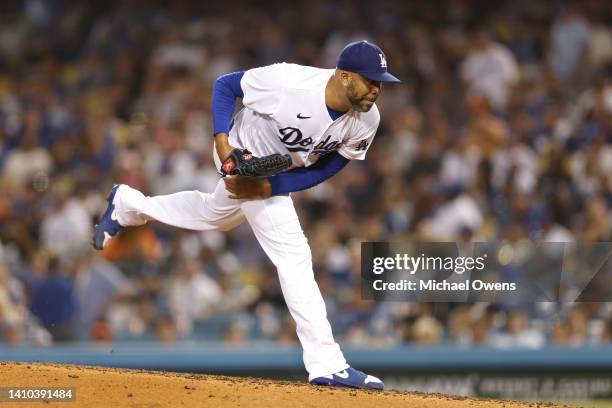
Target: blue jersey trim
[[303, 178], [225, 91], [334, 114]]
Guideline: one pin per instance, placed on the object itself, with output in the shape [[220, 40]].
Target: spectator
[[518, 334], [452, 218], [192, 295], [165, 329], [577, 327], [98, 284], [427, 330], [489, 70], [569, 36], [66, 228], [53, 302], [28, 158]]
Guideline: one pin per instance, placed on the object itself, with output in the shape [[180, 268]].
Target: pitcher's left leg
[[277, 228]]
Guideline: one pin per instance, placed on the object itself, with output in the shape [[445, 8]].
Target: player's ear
[[345, 77]]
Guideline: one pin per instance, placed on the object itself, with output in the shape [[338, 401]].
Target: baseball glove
[[242, 162]]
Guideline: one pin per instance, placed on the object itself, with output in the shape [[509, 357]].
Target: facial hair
[[356, 101]]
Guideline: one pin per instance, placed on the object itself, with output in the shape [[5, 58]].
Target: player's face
[[362, 92]]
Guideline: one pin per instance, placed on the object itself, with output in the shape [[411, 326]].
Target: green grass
[[585, 403]]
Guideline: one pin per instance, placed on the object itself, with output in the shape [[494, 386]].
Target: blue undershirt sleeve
[[225, 91], [303, 178]]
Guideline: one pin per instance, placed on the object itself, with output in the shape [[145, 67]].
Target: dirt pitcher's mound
[[110, 387]]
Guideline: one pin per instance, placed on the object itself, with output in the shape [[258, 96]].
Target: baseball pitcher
[[299, 126]]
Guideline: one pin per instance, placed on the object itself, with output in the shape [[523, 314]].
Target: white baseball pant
[[277, 228]]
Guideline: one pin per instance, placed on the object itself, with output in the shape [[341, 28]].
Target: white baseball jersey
[[285, 112]]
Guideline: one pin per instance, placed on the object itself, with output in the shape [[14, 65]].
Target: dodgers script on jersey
[[285, 112]]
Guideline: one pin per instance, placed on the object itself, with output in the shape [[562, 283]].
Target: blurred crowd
[[500, 131]]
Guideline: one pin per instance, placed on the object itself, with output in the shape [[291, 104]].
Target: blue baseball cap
[[366, 59]]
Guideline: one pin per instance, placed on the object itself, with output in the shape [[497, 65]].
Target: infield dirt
[[111, 387]]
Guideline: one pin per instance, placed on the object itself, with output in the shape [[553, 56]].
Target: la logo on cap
[[383, 61]]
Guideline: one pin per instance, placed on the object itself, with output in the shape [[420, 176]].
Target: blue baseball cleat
[[108, 227], [350, 378]]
